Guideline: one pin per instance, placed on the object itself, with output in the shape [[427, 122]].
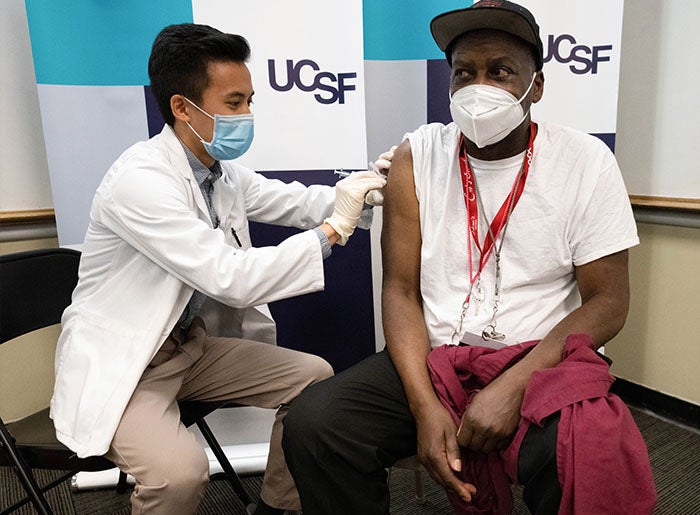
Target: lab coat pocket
[[100, 363], [238, 233]]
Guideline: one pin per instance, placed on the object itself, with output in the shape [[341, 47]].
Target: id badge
[[476, 340]]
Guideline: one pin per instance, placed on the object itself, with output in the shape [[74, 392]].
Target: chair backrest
[[35, 288]]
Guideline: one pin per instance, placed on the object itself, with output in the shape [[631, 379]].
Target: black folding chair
[[35, 288]]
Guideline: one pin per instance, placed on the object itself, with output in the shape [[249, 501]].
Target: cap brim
[[446, 27]]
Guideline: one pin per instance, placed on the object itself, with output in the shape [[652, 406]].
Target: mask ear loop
[[527, 90], [204, 112], [210, 116], [523, 98], [197, 134]]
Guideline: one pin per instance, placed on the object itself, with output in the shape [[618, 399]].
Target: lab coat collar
[[224, 192], [181, 166]]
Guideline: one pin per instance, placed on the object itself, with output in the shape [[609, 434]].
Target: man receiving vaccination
[[506, 240]]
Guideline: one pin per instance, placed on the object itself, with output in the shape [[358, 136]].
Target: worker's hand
[[491, 419], [349, 199], [382, 164], [439, 453]]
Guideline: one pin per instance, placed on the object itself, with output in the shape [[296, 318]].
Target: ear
[[178, 105], [538, 87]]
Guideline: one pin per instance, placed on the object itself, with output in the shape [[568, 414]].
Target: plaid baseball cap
[[488, 14]]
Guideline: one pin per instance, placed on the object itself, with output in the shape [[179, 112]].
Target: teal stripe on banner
[[98, 42], [400, 29]]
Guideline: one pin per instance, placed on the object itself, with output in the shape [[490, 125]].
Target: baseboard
[[678, 410]]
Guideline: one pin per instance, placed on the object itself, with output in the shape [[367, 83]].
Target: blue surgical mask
[[233, 134]]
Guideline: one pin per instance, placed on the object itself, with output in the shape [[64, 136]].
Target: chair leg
[[121, 484], [24, 474], [224, 462], [420, 491]]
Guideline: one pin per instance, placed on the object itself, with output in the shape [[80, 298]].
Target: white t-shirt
[[574, 209]]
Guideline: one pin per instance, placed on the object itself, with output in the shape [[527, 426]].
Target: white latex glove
[[382, 164], [349, 199]]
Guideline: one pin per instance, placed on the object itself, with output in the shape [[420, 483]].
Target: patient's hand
[[492, 418], [439, 453]]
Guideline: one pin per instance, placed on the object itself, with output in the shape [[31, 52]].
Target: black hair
[[179, 59]]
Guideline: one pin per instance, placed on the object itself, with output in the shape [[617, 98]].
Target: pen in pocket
[[235, 237]]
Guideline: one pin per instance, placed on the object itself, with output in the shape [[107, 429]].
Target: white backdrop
[[582, 62], [293, 129]]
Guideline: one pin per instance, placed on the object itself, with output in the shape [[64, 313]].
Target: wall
[[658, 99], [658, 347], [24, 184], [26, 363], [24, 178]]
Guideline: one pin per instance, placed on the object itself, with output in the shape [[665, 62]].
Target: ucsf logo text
[[585, 59], [307, 76]]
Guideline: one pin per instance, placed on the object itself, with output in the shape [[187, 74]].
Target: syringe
[[342, 173]]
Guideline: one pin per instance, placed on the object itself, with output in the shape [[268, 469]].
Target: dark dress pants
[[341, 434]]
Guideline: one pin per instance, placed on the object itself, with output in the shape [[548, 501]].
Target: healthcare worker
[[171, 300]]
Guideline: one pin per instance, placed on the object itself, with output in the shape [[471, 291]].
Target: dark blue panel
[[608, 139], [439, 91], [153, 116], [338, 323]]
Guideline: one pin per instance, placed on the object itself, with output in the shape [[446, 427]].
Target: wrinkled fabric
[[574, 210], [602, 461]]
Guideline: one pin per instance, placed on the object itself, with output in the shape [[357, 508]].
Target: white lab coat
[[149, 244]]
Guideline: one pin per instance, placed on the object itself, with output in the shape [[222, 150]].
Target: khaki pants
[[151, 444]]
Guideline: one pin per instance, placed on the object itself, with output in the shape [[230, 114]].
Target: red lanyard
[[501, 219]]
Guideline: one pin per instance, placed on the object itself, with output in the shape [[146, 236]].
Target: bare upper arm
[[607, 280], [401, 235], [607, 275]]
